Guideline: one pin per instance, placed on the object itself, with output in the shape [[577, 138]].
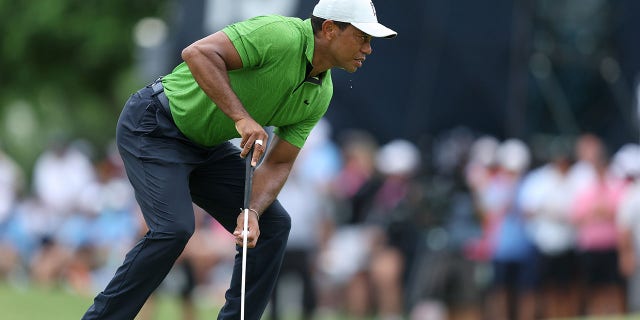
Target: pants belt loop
[[158, 92], [157, 86]]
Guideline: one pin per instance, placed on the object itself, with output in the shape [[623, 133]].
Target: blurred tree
[[71, 63]]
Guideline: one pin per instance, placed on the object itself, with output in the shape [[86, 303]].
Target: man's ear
[[329, 29]]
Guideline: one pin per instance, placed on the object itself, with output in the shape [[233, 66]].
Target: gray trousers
[[169, 172]]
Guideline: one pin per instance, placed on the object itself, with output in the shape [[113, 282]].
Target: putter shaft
[[248, 181]]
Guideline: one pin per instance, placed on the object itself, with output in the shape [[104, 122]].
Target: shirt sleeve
[[297, 134], [260, 39]]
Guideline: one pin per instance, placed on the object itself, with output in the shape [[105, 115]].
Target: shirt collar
[[310, 46]]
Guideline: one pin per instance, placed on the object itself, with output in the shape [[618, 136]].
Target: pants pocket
[[148, 122]]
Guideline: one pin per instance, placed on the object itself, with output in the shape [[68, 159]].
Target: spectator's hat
[[398, 157], [514, 155]]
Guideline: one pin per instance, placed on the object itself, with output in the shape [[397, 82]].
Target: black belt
[[158, 92]]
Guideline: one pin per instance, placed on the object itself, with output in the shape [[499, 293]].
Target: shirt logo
[[373, 9]]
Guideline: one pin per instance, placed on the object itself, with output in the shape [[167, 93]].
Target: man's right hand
[[253, 135]]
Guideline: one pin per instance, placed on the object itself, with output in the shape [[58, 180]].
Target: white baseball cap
[[359, 13]]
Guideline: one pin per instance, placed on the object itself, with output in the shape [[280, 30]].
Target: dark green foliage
[[72, 62]]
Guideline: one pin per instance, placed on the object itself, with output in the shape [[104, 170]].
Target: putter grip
[[248, 180]]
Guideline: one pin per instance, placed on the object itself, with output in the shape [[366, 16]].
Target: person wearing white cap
[[359, 13], [173, 136]]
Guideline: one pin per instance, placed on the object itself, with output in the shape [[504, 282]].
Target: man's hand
[[253, 135], [254, 229]]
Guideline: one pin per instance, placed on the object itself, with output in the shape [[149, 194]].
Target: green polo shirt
[[272, 85]]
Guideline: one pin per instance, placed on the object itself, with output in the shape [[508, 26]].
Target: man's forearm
[[267, 183]]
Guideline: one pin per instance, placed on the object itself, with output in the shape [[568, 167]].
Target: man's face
[[350, 48]]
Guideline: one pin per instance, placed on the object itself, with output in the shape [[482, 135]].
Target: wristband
[[256, 212]]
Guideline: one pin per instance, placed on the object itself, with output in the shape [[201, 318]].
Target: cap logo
[[373, 8]]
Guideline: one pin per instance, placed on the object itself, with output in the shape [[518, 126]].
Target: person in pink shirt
[[594, 214]]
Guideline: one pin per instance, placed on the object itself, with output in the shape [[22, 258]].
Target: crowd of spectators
[[462, 226]]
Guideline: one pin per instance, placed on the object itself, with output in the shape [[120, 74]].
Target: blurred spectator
[[26, 231], [358, 150], [546, 200], [391, 215], [60, 174], [628, 222], [594, 215], [482, 164], [513, 256], [340, 277], [373, 250], [306, 197], [481, 168], [444, 280], [11, 188], [61, 179]]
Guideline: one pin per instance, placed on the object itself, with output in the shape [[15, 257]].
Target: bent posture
[[173, 136]]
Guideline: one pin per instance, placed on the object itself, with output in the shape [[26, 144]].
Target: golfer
[[173, 137]]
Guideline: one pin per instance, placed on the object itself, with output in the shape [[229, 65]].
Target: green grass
[[31, 303], [34, 303]]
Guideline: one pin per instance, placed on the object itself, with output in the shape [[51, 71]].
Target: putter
[[248, 181]]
